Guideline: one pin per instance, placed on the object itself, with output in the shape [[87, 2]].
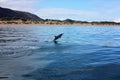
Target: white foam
[[34, 47]]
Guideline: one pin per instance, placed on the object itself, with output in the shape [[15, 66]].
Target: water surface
[[83, 53]]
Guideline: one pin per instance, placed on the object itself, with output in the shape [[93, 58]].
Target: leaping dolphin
[[58, 36]]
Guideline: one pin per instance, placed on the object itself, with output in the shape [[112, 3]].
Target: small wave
[[16, 51], [3, 77], [34, 47], [9, 40], [18, 47], [30, 40]]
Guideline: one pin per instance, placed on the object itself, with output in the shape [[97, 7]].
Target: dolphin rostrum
[[58, 36]]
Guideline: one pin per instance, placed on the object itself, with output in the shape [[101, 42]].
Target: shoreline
[[2, 25], [54, 23]]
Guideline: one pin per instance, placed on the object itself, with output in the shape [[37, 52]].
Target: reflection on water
[[83, 53]]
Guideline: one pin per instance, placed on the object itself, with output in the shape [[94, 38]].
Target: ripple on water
[[16, 51], [83, 53]]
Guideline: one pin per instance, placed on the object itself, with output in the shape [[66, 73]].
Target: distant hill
[[9, 14]]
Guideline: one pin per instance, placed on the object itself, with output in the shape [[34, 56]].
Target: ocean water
[[83, 53]]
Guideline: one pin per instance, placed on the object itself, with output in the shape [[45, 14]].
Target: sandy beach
[[52, 25], [18, 23]]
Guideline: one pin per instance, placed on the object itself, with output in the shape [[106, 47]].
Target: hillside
[[9, 14]]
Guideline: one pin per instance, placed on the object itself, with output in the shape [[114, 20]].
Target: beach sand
[[20, 23]]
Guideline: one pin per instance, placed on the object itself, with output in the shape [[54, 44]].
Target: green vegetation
[[8, 16]]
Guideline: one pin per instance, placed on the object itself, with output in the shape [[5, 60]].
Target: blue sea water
[[83, 53]]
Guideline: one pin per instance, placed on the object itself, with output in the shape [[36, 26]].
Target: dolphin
[[58, 36]]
